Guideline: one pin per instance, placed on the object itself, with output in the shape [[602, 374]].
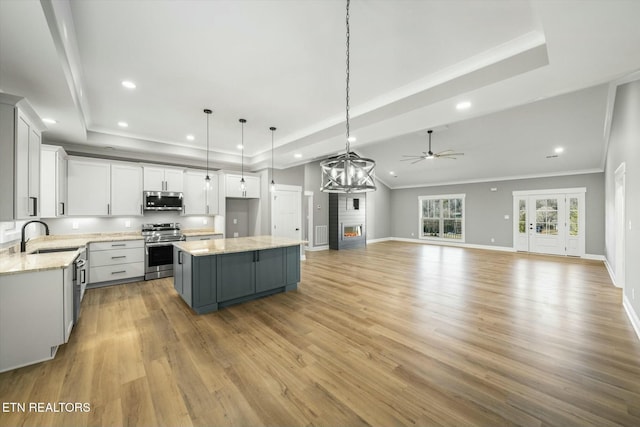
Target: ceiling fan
[[426, 155]]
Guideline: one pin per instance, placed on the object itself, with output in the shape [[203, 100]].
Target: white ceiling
[[535, 72]]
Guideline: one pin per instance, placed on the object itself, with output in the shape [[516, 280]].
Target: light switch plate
[[75, 225]]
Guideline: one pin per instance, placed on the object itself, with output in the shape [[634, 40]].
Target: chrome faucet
[[23, 242]]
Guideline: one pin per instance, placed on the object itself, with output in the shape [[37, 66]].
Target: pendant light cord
[[242, 122], [348, 66], [208, 114], [272, 129]]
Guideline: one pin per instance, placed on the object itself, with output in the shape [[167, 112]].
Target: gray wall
[[312, 182], [237, 209], [379, 212], [624, 146], [485, 209]]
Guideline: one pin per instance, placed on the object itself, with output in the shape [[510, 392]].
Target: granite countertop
[[27, 261], [236, 244], [199, 232]]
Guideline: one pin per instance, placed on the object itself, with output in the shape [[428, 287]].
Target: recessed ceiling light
[[128, 84], [191, 137], [559, 150], [297, 156], [239, 146], [392, 173], [463, 105], [351, 139], [123, 124], [49, 121]]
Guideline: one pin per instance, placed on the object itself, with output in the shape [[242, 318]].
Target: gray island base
[[212, 274]]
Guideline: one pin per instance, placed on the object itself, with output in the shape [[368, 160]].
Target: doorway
[[620, 220], [550, 221], [286, 201]]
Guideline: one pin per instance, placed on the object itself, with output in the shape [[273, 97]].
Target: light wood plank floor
[[394, 334]]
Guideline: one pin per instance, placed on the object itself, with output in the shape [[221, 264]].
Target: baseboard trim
[[317, 248], [594, 257], [382, 239], [612, 275], [631, 314], [460, 245]]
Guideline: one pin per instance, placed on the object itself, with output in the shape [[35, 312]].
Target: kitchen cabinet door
[[195, 193], [20, 131], [252, 186], [213, 205], [236, 275], [67, 295], [53, 181], [89, 184], [126, 189], [174, 180], [270, 269], [153, 179]]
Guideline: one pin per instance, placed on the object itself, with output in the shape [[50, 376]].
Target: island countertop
[[235, 244]]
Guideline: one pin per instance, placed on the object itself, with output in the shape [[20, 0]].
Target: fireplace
[[350, 231], [347, 221]]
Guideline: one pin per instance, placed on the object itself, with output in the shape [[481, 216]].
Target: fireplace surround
[[347, 221]]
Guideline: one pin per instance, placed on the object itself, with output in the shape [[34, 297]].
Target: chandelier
[[348, 172]]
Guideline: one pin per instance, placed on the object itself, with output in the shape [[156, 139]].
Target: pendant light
[[243, 186], [207, 179], [348, 172], [273, 183]]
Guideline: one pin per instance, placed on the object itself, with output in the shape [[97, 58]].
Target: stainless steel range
[[158, 248]]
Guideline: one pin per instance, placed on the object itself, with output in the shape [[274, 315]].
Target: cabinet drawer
[[124, 244], [204, 237], [116, 272], [115, 256]]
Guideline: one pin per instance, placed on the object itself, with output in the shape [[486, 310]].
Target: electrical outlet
[[127, 224], [235, 221], [493, 240], [205, 221], [506, 217], [413, 234], [235, 234], [75, 225]]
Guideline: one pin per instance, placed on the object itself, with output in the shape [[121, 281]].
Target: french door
[[549, 222]]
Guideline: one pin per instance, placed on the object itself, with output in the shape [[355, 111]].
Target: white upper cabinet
[[252, 186], [198, 199], [163, 179], [53, 181], [20, 135], [126, 189], [102, 188], [89, 184]]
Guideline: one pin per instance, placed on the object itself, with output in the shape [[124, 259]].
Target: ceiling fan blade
[[412, 158], [416, 161]]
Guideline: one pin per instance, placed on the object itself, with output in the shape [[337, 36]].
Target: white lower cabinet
[[36, 315], [117, 262]]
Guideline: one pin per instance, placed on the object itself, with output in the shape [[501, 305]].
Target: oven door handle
[[154, 245]]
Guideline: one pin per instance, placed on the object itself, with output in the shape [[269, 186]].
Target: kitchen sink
[[50, 250]]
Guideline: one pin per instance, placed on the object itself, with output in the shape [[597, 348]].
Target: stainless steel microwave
[[162, 201]]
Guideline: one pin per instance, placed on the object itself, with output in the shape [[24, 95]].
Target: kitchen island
[[212, 274]]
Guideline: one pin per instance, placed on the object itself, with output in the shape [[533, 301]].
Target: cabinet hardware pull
[[108, 208], [118, 244], [141, 212], [35, 206], [117, 257], [118, 272], [180, 257], [62, 203], [83, 276]]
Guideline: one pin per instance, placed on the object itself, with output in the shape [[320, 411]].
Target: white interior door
[[286, 219], [549, 223]]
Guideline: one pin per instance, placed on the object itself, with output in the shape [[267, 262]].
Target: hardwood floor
[[394, 334]]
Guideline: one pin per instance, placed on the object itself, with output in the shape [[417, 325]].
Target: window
[[442, 217]]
